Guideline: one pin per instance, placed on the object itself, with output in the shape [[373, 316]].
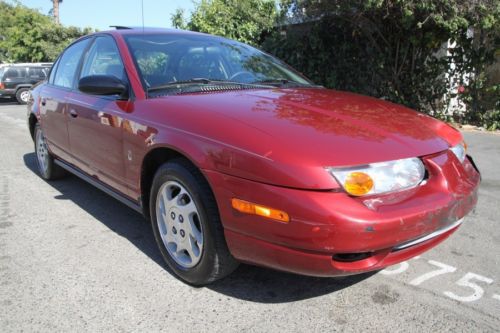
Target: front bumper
[[332, 234]]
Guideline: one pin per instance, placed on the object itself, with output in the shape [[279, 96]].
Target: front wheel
[[46, 166], [187, 226]]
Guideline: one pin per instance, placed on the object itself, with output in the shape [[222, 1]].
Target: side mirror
[[103, 85]]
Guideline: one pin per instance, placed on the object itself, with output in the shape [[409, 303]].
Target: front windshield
[[164, 59]]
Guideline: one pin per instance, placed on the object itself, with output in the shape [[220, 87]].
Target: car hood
[[299, 131]]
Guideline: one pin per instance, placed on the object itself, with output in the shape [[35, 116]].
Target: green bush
[[394, 49]]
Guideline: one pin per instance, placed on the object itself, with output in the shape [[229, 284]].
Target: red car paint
[[271, 146]]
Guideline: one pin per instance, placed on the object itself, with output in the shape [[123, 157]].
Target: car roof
[[28, 64], [127, 30]]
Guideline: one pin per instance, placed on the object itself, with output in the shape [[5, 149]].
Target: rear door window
[[68, 64], [52, 71]]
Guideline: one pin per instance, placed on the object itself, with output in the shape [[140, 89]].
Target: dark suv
[[17, 79]]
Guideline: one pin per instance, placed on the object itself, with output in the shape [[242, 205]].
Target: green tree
[[29, 36], [247, 21], [178, 19], [394, 49]]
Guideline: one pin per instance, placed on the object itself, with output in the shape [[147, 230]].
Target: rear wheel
[[46, 166], [187, 226], [23, 95]]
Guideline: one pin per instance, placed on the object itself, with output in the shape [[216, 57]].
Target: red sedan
[[236, 157]]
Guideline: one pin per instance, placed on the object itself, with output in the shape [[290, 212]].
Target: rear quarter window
[[36, 73], [15, 73]]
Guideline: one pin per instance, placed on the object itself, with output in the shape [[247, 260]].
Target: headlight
[[460, 151], [380, 177]]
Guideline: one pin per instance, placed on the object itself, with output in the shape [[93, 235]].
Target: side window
[[14, 73], [36, 73], [68, 64], [52, 71], [103, 58]]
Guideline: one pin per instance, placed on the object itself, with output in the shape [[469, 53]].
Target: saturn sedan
[[236, 157]]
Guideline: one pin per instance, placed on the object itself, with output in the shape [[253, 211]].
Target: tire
[[46, 167], [187, 226], [23, 95]]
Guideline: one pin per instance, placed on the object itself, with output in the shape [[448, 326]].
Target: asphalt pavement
[[74, 259]]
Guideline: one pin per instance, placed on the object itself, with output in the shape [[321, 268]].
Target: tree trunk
[[55, 10]]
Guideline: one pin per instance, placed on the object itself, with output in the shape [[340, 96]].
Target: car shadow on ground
[[248, 283], [8, 101]]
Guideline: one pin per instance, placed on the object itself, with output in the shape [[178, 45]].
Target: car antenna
[[142, 10]]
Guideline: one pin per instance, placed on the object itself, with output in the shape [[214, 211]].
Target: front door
[[95, 122]]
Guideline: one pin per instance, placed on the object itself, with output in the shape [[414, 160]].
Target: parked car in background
[[236, 157], [17, 79]]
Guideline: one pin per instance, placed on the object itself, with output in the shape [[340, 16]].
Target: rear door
[[95, 122], [14, 76], [53, 108]]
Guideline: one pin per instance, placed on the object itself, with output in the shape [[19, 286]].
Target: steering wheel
[[242, 73]]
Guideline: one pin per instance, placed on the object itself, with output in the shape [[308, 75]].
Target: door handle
[[73, 113], [43, 101]]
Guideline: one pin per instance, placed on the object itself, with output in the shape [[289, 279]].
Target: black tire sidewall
[[204, 270]]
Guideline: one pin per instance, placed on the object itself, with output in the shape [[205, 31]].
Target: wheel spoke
[[169, 202], [193, 250], [163, 206], [194, 232], [168, 235], [180, 248], [189, 209]]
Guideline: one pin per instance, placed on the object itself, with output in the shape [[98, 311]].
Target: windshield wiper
[[282, 82], [274, 81], [174, 84]]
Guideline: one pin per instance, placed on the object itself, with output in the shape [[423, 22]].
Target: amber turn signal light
[[358, 183], [255, 209]]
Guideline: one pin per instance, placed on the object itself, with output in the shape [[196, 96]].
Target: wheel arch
[[23, 86], [32, 121], [153, 159]]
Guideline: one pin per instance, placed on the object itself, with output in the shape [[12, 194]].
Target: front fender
[[209, 154]]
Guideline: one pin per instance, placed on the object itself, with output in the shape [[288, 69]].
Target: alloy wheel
[[25, 96], [42, 153], [179, 224]]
